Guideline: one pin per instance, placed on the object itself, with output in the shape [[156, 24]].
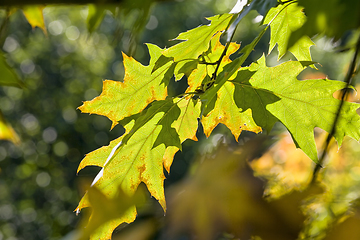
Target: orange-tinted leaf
[[225, 110]]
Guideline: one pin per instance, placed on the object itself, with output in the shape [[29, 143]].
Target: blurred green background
[[39, 187]]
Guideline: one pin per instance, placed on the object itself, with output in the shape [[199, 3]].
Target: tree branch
[[7, 3], [351, 72]]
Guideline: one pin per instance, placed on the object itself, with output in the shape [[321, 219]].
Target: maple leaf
[[121, 99], [209, 58], [210, 96], [274, 93], [195, 39], [196, 42], [284, 20], [138, 156], [186, 125], [225, 110]]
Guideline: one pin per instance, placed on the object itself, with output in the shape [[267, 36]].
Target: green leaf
[[168, 135], [248, 97], [275, 93], [284, 20], [139, 88], [197, 40], [205, 70], [186, 125], [209, 97], [135, 157], [136, 162], [225, 110], [261, 6], [8, 76], [330, 17], [96, 15]]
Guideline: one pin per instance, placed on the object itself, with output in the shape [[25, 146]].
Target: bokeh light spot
[[56, 27], [69, 115], [28, 215], [27, 66], [43, 179], [6, 212], [72, 33], [152, 23], [49, 135], [60, 149], [10, 44]]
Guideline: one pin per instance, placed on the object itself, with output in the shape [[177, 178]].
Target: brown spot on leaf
[[142, 168]]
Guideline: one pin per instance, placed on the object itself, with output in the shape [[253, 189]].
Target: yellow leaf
[[7, 132], [34, 15]]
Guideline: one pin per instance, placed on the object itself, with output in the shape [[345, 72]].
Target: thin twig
[[289, 1], [347, 80], [223, 55]]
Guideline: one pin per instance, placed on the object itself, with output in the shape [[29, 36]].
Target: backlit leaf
[[195, 42], [275, 93], [284, 20], [197, 39], [137, 156], [210, 96], [186, 125], [139, 88], [225, 110]]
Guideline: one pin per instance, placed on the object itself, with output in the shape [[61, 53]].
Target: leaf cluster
[[220, 90]]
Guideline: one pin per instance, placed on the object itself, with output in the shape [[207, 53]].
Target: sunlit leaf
[[193, 44], [7, 132], [225, 110], [138, 155], [210, 96], [284, 20], [275, 93], [139, 88], [244, 7], [186, 125]]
